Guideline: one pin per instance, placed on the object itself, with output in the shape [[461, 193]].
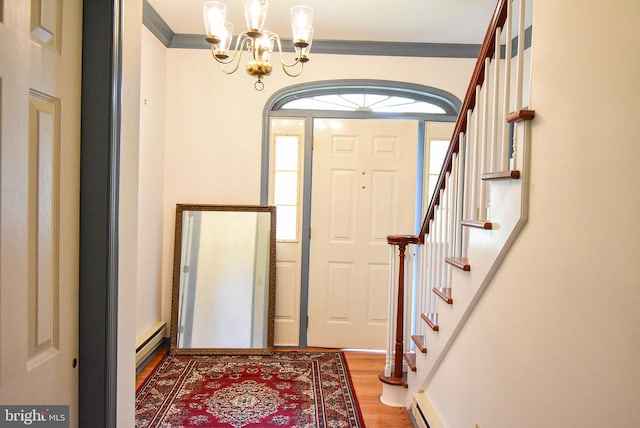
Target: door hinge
[[309, 232], [185, 269], [307, 322]]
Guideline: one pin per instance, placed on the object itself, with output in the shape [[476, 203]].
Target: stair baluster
[[398, 377]]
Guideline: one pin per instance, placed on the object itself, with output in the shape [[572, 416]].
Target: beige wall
[[555, 340], [214, 123], [151, 183]]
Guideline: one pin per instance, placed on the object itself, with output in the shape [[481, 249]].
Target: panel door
[[364, 189], [40, 74]]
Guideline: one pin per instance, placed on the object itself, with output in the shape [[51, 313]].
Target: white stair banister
[[479, 150]]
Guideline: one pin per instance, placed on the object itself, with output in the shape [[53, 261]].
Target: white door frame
[[272, 110]]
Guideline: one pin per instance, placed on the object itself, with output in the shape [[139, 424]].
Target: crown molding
[[353, 47], [158, 26], [154, 23]]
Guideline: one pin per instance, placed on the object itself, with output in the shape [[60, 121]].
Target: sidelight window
[[286, 185]]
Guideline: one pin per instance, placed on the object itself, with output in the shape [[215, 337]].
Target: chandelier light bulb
[[222, 47], [304, 52], [264, 47], [255, 13], [215, 14], [301, 25]]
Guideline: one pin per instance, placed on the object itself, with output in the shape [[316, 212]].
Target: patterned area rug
[[285, 389]]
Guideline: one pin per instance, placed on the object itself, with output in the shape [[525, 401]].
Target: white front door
[[40, 72], [364, 189]]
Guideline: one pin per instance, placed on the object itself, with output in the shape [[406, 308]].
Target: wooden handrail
[[477, 78]]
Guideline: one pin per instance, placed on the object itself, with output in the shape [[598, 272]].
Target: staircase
[[475, 215]]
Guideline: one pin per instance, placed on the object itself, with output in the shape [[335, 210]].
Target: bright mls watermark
[[34, 416]]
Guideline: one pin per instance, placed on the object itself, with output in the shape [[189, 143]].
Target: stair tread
[[479, 224], [520, 115], [410, 358], [459, 262], [431, 319], [500, 175], [420, 342], [444, 293], [390, 380]]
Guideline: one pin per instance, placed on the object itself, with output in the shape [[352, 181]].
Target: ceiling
[[419, 21]]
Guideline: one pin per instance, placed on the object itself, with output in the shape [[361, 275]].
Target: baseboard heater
[[148, 342], [419, 419], [423, 413]]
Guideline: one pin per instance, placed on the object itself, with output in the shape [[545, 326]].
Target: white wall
[[151, 183], [214, 123], [555, 340]]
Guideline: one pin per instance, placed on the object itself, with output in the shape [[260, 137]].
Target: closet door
[[40, 76]]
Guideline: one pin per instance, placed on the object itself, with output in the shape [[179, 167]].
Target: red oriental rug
[[284, 389]]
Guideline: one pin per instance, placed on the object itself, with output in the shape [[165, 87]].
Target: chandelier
[[256, 40]]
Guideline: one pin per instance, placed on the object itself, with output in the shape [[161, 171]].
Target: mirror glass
[[223, 279]]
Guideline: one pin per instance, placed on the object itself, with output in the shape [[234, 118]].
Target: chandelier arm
[[282, 61], [213, 54], [245, 41], [284, 68], [235, 67], [239, 41]]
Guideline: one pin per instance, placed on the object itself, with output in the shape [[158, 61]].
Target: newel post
[[401, 241]]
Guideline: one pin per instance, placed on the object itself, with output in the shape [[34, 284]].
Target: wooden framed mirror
[[223, 298]]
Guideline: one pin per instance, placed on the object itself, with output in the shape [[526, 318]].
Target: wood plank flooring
[[364, 368], [146, 371]]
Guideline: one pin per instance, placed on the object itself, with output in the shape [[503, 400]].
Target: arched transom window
[[364, 102], [367, 96]]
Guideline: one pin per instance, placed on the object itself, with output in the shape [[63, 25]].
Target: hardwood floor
[[364, 368], [151, 365]]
